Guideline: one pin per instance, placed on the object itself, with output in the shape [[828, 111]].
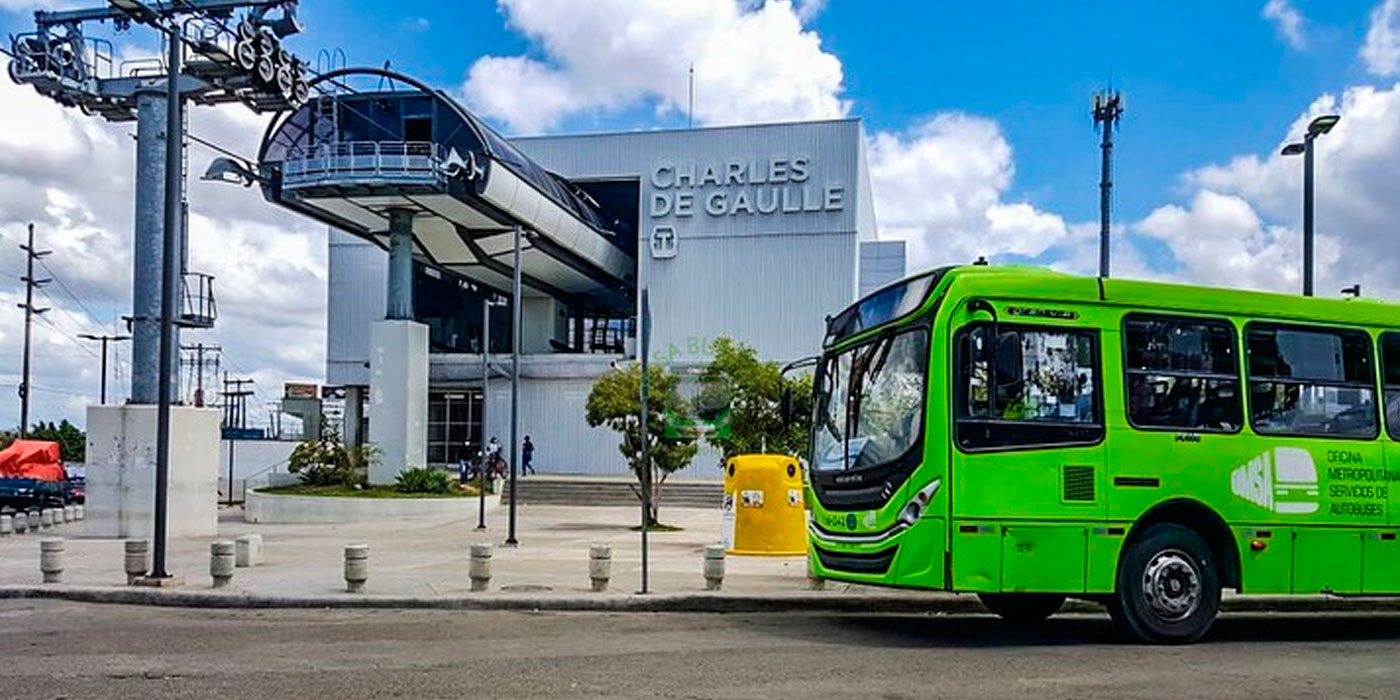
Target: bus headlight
[[915, 509]]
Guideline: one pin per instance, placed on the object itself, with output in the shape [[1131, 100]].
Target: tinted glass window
[[1311, 382], [883, 306], [1036, 387], [1390, 366], [1182, 374]]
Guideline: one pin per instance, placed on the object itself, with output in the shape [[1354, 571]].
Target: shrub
[[422, 480], [328, 462]]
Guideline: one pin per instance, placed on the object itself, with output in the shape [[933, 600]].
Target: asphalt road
[[54, 649]]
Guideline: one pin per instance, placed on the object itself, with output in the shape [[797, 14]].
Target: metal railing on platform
[[389, 161]]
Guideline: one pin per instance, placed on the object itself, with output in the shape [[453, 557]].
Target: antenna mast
[[1108, 110]]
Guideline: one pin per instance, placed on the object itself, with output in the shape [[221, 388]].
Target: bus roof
[[1042, 284]]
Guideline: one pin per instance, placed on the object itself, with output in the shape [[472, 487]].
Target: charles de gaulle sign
[[776, 186]]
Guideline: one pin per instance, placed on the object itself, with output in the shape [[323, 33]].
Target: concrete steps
[[604, 491]]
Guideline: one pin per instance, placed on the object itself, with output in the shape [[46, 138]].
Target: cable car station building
[[754, 232]]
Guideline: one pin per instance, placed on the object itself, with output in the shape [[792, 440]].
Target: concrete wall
[[121, 461], [267, 508], [398, 404], [251, 459]]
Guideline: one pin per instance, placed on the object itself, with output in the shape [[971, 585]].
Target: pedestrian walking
[[527, 457], [494, 462]]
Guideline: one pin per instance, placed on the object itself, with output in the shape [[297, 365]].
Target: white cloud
[[1381, 51], [1242, 225], [752, 63], [72, 175], [940, 186], [1288, 21]]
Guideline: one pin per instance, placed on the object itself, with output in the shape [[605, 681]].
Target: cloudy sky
[[977, 116]]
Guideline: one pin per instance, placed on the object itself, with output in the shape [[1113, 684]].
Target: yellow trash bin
[[763, 508]]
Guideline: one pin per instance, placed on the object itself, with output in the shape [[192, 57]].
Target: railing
[[417, 162], [198, 309]]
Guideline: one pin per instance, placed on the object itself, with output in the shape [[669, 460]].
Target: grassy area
[[367, 492]]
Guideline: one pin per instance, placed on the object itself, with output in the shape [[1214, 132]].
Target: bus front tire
[[1022, 608], [1168, 586]]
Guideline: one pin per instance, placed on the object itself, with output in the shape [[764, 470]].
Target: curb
[[912, 604]]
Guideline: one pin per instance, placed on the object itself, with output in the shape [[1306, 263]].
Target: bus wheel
[[1022, 608], [1168, 586]]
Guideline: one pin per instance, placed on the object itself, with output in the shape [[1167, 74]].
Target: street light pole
[[1316, 128], [511, 541], [485, 396], [170, 278]]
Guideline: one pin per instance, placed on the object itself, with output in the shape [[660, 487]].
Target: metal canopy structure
[[351, 158]]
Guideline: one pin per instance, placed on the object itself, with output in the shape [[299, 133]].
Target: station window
[[1311, 382], [1039, 389], [1182, 374], [1390, 366]]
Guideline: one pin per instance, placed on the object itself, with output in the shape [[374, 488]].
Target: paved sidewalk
[[423, 564]]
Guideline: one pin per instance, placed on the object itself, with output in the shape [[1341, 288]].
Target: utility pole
[[235, 402], [30, 284], [104, 339], [197, 364], [1108, 110]]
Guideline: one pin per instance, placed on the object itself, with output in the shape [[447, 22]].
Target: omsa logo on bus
[[1283, 480]]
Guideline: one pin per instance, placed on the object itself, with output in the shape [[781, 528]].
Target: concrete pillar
[[136, 560], [121, 471], [479, 568], [356, 567], [147, 251], [398, 397], [400, 299], [542, 319], [221, 563], [51, 560], [599, 566], [248, 550], [354, 415], [714, 567]]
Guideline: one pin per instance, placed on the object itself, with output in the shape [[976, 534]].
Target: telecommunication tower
[[1108, 109]]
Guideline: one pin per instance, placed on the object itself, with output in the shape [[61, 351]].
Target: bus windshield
[[869, 402]]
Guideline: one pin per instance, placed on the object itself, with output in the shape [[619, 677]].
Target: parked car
[[75, 487]]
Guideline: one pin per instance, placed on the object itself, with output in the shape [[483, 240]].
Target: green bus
[[1030, 436]]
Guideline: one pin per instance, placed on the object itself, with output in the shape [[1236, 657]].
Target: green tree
[[72, 442], [615, 401], [755, 390]]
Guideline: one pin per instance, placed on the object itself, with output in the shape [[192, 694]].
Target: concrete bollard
[[714, 566], [221, 563], [51, 560], [21, 523], [136, 560], [7, 525], [356, 567], [79, 511], [479, 568], [248, 550], [68, 514], [34, 524], [600, 566], [46, 518]]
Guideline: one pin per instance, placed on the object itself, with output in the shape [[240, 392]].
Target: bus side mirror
[[785, 406]]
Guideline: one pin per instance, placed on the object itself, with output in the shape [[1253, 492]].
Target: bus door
[[1027, 458]]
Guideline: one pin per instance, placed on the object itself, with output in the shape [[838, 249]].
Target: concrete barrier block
[[356, 567], [248, 550], [479, 567], [51, 560], [221, 563]]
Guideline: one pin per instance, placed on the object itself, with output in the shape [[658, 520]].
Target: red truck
[[32, 475]]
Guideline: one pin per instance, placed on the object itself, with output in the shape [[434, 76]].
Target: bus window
[[1182, 374], [1390, 366], [1311, 382], [1046, 388]]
